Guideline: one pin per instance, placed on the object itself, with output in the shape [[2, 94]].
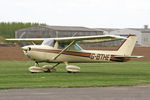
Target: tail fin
[[127, 46]]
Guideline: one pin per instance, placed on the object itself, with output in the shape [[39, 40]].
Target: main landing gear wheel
[[48, 68], [71, 72], [72, 68]]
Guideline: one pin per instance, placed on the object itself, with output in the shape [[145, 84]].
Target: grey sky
[[89, 13]]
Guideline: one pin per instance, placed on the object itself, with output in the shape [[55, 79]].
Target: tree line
[[7, 29]]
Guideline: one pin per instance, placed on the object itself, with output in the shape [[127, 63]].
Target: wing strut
[[63, 50]]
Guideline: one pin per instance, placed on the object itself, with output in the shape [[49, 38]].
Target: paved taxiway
[[98, 93]]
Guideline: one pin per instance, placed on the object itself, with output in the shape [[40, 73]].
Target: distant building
[[107, 30], [143, 34], [127, 32], [55, 31], [120, 32]]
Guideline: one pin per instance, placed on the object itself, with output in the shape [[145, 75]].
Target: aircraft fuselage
[[46, 54]]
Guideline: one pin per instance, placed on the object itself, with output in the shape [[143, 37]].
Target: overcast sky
[[88, 13]]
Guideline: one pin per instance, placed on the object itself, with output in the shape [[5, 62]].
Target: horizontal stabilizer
[[129, 56]]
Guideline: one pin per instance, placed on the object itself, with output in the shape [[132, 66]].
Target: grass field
[[15, 74]]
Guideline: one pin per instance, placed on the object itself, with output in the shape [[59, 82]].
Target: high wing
[[88, 39], [27, 39], [97, 38], [33, 40]]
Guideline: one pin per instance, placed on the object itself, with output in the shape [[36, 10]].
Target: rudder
[[127, 46]]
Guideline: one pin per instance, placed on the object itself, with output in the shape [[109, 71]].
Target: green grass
[[15, 74]]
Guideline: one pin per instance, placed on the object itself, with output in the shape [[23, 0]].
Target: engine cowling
[[72, 68]]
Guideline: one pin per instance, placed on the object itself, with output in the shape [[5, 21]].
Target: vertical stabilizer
[[127, 46]]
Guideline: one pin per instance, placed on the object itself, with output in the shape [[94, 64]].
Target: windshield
[[49, 42], [77, 47]]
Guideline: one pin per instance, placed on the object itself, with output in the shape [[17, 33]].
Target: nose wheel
[[35, 68]]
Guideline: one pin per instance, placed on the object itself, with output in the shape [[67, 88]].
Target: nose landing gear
[[35, 68]]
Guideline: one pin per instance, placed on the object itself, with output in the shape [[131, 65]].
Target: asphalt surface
[[98, 93]]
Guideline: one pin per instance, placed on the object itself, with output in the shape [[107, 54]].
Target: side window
[[62, 45]]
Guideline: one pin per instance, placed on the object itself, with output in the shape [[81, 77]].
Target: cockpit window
[[63, 45], [77, 47], [49, 42]]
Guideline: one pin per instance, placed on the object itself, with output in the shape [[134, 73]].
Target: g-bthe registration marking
[[98, 56]]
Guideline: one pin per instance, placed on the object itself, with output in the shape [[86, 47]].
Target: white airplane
[[66, 50]]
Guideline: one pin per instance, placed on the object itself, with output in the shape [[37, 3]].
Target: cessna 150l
[[66, 50]]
